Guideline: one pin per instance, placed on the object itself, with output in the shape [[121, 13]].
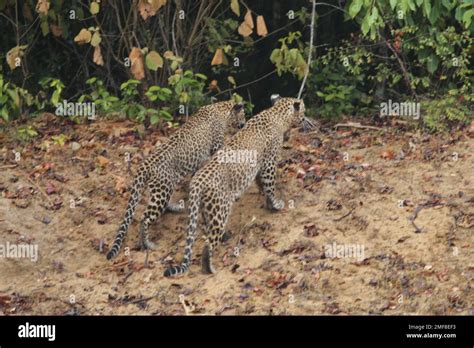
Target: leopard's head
[[291, 109], [233, 112]]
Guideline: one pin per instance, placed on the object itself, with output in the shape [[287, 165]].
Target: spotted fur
[[184, 153], [218, 184]]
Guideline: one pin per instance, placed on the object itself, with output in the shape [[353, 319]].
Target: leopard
[[226, 176], [184, 152]]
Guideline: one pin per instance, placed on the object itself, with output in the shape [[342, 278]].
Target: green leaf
[[365, 25], [235, 7], [154, 61], [154, 119], [433, 62], [94, 8], [355, 8], [44, 27], [433, 17], [96, 39], [449, 4], [427, 7], [201, 76], [467, 17], [393, 4]]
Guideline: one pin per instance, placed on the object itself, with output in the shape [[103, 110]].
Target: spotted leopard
[[224, 179], [185, 152]]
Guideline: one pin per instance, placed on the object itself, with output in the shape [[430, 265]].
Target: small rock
[[75, 146]]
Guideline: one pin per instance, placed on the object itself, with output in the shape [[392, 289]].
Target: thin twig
[[356, 125], [313, 14], [8, 166], [343, 216]]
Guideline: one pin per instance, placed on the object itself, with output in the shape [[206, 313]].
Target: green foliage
[[13, 99], [104, 101], [26, 133], [56, 85], [450, 110], [188, 86], [289, 59]]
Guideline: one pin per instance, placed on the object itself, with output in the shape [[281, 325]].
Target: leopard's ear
[[296, 105], [274, 98], [238, 106]]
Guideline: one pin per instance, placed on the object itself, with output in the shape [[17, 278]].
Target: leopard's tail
[[194, 204], [140, 181]]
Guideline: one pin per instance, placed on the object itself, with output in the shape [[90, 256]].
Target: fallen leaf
[[50, 188], [120, 184], [102, 161], [387, 154]]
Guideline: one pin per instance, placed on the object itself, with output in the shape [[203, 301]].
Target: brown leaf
[[120, 184], [244, 29], [261, 26], [213, 85], [387, 154], [102, 161], [50, 188], [83, 37], [42, 6], [218, 57], [137, 67], [97, 58], [13, 55], [149, 8], [249, 19]]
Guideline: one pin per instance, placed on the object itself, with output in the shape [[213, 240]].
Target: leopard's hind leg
[[161, 189], [216, 213]]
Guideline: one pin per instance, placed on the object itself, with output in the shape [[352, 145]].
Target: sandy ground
[[350, 192]]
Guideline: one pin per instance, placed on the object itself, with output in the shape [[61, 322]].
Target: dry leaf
[[137, 67], [218, 57], [13, 55], [157, 4], [97, 58], [42, 6], [102, 161], [154, 61], [120, 184], [235, 7], [261, 27], [213, 85], [83, 37], [244, 29], [149, 8], [248, 19]]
